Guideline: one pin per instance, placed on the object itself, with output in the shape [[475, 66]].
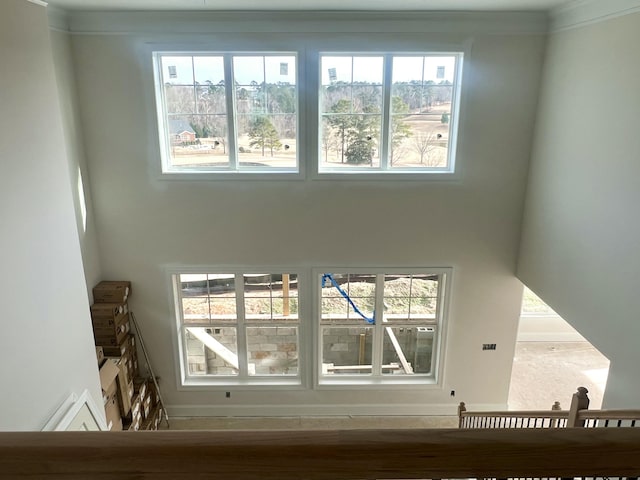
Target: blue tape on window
[[329, 277]]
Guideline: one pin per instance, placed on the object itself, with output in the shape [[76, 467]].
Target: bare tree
[[425, 143]]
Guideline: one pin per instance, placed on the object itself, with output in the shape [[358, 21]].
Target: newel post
[[461, 409], [555, 407], [579, 401]]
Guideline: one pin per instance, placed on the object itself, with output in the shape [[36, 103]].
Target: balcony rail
[[490, 445], [323, 454], [578, 415]]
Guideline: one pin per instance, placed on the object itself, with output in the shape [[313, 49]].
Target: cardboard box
[[108, 375], [99, 355], [153, 393], [152, 422], [117, 313], [112, 337], [126, 348], [125, 387], [133, 426], [136, 403], [112, 292], [115, 351], [140, 387]]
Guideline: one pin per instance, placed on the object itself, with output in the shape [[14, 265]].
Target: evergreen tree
[[400, 130], [341, 123], [263, 134]]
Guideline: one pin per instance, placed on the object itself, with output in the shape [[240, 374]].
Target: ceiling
[[375, 5]]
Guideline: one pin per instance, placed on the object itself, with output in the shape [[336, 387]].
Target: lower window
[[372, 327], [380, 327], [238, 327]]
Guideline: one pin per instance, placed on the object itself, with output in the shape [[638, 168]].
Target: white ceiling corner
[[308, 5], [579, 13]]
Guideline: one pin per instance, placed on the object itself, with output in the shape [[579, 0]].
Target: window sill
[[224, 175], [387, 175], [422, 381], [293, 383]]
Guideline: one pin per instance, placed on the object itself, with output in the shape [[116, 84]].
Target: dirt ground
[[545, 372]]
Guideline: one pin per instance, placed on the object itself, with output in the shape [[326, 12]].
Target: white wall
[[146, 223], [580, 239], [74, 145], [47, 342]]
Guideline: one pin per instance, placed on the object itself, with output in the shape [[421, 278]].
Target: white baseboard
[[323, 410], [550, 337]]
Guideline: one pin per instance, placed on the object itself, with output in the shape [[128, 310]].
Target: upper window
[[227, 112], [388, 113]]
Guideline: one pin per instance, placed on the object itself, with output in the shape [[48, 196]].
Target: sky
[[274, 69]]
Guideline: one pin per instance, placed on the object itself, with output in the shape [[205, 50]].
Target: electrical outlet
[[227, 394], [453, 393], [488, 346]]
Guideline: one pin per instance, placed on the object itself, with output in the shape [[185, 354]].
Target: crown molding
[[580, 13], [38, 2], [58, 19], [132, 23]]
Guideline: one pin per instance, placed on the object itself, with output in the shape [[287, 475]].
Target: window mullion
[[229, 89], [241, 334], [378, 329], [182, 328], [195, 93], [386, 112]]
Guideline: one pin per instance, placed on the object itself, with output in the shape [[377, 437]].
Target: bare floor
[[545, 372], [310, 423]]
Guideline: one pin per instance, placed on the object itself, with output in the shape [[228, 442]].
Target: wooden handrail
[[578, 415], [609, 414], [321, 455], [520, 414]]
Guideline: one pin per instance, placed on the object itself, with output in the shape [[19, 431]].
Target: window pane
[[407, 350], [209, 71], [195, 298], [367, 70], [267, 140], [280, 70], [272, 350], [177, 70], [366, 99], [410, 298], [271, 297], [424, 297], [335, 70], [212, 351], [210, 99], [336, 99], [196, 123], [439, 69], [180, 99], [361, 291], [248, 70], [408, 71], [350, 140], [421, 109], [281, 99], [346, 350]]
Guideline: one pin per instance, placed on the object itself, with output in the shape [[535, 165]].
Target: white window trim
[[452, 172], [307, 52], [167, 172], [309, 338], [431, 381], [185, 382]]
